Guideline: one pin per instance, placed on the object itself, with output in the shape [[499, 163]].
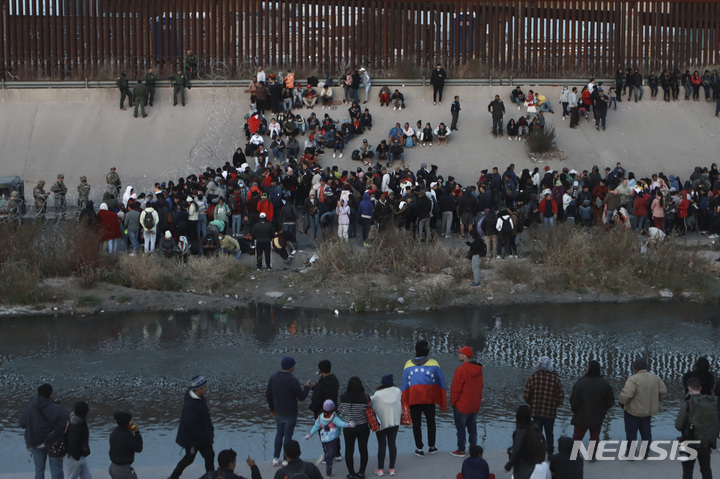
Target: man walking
[[124, 87], [455, 112], [195, 432], [437, 80], [544, 393], [283, 393], [640, 398], [45, 423], [139, 92], [497, 109], [423, 387], [465, 397], [697, 420]]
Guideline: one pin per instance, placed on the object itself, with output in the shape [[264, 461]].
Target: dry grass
[[577, 259]]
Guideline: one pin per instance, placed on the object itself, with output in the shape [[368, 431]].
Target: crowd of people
[[52, 436]]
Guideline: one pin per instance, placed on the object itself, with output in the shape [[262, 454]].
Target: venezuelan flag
[[423, 384]]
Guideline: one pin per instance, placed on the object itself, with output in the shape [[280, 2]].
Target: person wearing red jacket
[[465, 398], [548, 209], [640, 211], [682, 213]]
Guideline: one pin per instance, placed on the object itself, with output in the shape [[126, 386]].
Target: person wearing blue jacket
[[366, 216], [475, 467], [329, 425], [195, 432]]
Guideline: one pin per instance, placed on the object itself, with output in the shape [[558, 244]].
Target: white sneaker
[[440, 103], [284, 463], [510, 138], [563, 118], [423, 145], [400, 108], [497, 257], [518, 138], [430, 144], [340, 155], [276, 462], [518, 108], [394, 108], [323, 107], [334, 155], [434, 103]]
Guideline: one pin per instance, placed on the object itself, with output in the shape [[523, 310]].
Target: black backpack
[[356, 155], [535, 446], [483, 248], [506, 227], [520, 224], [149, 221]]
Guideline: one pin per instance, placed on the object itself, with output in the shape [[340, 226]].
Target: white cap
[[263, 215]]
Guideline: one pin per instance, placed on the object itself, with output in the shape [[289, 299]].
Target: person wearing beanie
[[293, 466], [125, 442], [475, 467], [388, 409], [544, 393], [78, 447], [283, 393], [195, 432], [327, 387], [423, 387], [329, 425], [465, 398], [44, 422], [640, 399]]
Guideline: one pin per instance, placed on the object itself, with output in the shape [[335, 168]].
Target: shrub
[[542, 140]]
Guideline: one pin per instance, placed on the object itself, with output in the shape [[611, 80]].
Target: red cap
[[466, 350], [547, 167]]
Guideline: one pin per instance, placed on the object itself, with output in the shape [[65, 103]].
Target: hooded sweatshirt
[[326, 388], [44, 421], [365, 208], [329, 427], [466, 388], [561, 465]]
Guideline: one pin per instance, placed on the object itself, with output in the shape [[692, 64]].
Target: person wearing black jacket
[[195, 432], [477, 250], [517, 462], [591, 398], [437, 80], [125, 442], [327, 387], [227, 461], [296, 467], [78, 447], [44, 422], [263, 233]]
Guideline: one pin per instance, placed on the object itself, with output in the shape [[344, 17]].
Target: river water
[[141, 362]]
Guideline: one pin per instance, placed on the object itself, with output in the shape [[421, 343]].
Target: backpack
[[294, 475], [506, 227], [703, 423], [535, 446], [149, 221], [356, 155]]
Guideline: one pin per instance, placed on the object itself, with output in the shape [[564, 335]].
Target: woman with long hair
[[352, 409]]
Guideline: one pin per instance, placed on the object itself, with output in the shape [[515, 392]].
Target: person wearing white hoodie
[[388, 409]]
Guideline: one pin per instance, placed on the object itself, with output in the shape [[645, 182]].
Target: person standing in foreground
[[423, 387], [497, 109], [125, 442], [697, 420], [640, 398], [590, 400], [195, 432], [388, 408], [465, 397], [45, 422], [455, 112], [78, 444], [544, 393], [282, 394], [327, 387]]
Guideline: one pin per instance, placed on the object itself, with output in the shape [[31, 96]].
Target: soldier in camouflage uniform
[[40, 197], [113, 182], [179, 81], [139, 92], [83, 192], [122, 84], [150, 86], [59, 190]]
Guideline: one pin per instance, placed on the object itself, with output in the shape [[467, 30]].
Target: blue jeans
[[635, 92], [77, 469], [40, 457], [546, 106], [315, 220], [548, 222], [635, 423], [284, 433], [279, 155], [134, 240], [462, 422], [546, 425], [497, 126], [202, 226], [237, 224]]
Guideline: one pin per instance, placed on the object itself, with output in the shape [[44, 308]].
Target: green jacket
[[180, 80], [122, 82], [707, 408], [150, 79], [139, 90]]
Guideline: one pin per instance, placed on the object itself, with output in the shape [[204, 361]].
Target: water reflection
[[140, 361]]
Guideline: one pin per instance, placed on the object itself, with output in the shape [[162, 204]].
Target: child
[[561, 466], [475, 467], [612, 93], [329, 426]]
